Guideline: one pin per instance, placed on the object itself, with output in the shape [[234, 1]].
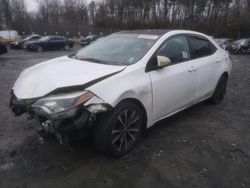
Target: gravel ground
[[203, 146]]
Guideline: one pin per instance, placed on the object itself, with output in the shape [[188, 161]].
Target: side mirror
[[163, 61]]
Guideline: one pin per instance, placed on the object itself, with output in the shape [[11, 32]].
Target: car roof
[[222, 38], [243, 39], [53, 36], [159, 32]]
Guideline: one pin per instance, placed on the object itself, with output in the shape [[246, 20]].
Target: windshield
[[90, 36], [28, 38], [241, 41], [120, 49], [44, 38]]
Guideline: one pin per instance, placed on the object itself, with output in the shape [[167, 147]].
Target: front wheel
[[118, 132], [220, 91], [39, 48], [66, 47]]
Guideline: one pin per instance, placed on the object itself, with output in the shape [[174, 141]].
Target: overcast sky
[[32, 4]]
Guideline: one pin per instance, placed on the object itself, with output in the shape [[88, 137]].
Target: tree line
[[72, 17]]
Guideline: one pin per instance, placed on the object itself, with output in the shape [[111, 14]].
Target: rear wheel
[[118, 132], [66, 47], [243, 51], [39, 48], [220, 91]]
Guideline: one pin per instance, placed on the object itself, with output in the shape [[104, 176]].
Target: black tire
[[243, 51], [39, 49], [220, 91], [117, 132], [66, 47]]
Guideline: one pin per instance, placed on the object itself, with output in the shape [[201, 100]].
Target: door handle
[[192, 69], [218, 60]]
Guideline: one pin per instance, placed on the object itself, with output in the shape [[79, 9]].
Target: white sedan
[[122, 84]]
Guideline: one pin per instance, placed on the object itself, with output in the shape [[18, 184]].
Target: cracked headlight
[[61, 104]]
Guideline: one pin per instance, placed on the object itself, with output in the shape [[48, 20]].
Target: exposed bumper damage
[[79, 118]]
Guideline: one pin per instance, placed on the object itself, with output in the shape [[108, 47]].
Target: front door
[[174, 86]]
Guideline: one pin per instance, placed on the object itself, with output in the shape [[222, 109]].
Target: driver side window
[[176, 49]]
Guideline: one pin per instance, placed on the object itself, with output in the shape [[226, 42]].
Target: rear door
[[57, 42], [61, 42], [52, 44], [173, 87], [206, 62]]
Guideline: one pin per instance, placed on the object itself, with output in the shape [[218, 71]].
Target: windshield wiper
[[74, 56], [92, 60]]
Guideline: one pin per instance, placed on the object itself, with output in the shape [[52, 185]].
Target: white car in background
[[10, 35], [123, 84]]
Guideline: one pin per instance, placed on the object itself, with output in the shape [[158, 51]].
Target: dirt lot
[[204, 146]]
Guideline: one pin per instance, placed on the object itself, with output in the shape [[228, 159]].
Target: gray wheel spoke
[[117, 138], [123, 123], [117, 131], [131, 136], [133, 130], [133, 121], [132, 116], [121, 141]]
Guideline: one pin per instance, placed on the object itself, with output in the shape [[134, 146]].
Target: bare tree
[[217, 17]]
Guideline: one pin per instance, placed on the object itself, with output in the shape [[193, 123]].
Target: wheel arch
[[226, 74], [141, 106]]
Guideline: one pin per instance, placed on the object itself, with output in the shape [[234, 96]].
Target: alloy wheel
[[126, 130], [40, 49], [66, 47]]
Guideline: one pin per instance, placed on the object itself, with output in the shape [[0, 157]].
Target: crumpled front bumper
[[20, 107], [64, 125]]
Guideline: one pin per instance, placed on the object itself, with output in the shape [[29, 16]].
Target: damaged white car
[[122, 84]]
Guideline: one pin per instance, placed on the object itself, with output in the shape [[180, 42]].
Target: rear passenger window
[[200, 47], [53, 39], [57, 39]]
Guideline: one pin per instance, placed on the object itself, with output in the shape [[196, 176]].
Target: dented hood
[[48, 76]]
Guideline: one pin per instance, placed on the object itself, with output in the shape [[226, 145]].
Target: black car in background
[[3, 48], [223, 42], [21, 44], [52, 42], [88, 39], [241, 46]]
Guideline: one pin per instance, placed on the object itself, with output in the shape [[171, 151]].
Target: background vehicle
[[21, 43], [223, 42], [241, 46], [123, 84], [3, 48], [9, 36], [88, 39], [49, 43]]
